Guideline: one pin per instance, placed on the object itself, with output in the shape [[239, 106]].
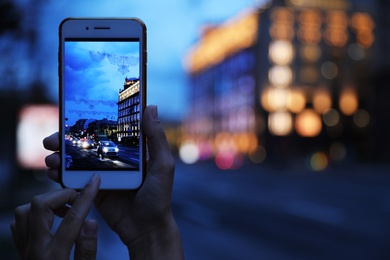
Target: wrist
[[161, 242]]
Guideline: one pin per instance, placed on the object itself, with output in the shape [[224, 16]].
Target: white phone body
[[102, 78]]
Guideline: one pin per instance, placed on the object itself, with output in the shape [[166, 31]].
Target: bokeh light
[[280, 76], [329, 70], [228, 160], [331, 117], [308, 123], [356, 52], [280, 123], [310, 53], [189, 152], [245, 142], [281, 52], [363, 25], [322, 100], [297, 100], [275, 99], [310, 27], [318, 161], [361, 118], [282, 24], [336, 31], [348, 101]]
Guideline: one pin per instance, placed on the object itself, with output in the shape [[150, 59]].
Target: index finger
[[52, 142], [41, 215], [70, 226]]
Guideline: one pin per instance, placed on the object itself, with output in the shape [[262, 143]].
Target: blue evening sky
[[92, 85], [173, 26]]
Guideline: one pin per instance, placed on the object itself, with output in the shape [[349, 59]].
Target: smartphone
[[102, 76]]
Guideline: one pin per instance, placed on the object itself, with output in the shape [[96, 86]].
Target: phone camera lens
[[87, 28]]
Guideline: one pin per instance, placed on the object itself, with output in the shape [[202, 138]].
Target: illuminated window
[[275, 99], [363, 25], [336, 31], [310, 53], [348, 102], [280, 123], [281, 52], [322, 100], [310, 27], [308, 123], [280, 76], [297, 101]]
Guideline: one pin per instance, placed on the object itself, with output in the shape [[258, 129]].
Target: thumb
[[86, 244], [157, 142]]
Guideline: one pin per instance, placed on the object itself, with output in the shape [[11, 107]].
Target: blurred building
[[289, 79]]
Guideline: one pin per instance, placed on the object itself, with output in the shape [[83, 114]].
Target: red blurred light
[[224, 161]]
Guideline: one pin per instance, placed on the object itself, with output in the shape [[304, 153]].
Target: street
[[273, 212], [128, 157], [270, 212]]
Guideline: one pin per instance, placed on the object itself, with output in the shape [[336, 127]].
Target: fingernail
[[93, 179], [90, 228]]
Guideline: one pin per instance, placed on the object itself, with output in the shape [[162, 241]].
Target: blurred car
[[76, 141], [88, 144], [107, 149]]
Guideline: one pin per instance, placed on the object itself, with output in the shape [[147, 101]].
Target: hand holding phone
[[102, 69], [142, 215]]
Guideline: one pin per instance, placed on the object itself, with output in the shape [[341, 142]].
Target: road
[[269, 212], [128, 157], [272, 212]]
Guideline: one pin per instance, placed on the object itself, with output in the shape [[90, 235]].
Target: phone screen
[[102, 104]]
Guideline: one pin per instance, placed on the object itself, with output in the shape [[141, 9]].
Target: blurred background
[[277, 113]]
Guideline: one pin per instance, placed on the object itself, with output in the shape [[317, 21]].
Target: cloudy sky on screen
[[93, 81]]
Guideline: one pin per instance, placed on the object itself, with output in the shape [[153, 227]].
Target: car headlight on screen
[[116, 149], [105, 149]]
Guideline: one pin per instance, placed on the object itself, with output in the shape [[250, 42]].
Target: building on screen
[[129, 109]]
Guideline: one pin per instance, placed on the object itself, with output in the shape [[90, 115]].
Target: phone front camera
[[87, 28]]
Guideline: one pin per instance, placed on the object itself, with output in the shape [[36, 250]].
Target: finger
[[19, 226], [42, 215], [53, 160], [53, 174], [70, 226], [159, 151], [61, 212], [52, 142], [86, 244]]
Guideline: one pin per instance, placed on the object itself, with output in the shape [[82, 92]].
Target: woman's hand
[[32, 226]]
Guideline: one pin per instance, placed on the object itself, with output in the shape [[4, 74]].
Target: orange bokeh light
[[348, 102], [308, 123]]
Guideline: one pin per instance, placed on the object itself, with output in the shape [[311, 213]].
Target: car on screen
[[107, 149], [87, 144]]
